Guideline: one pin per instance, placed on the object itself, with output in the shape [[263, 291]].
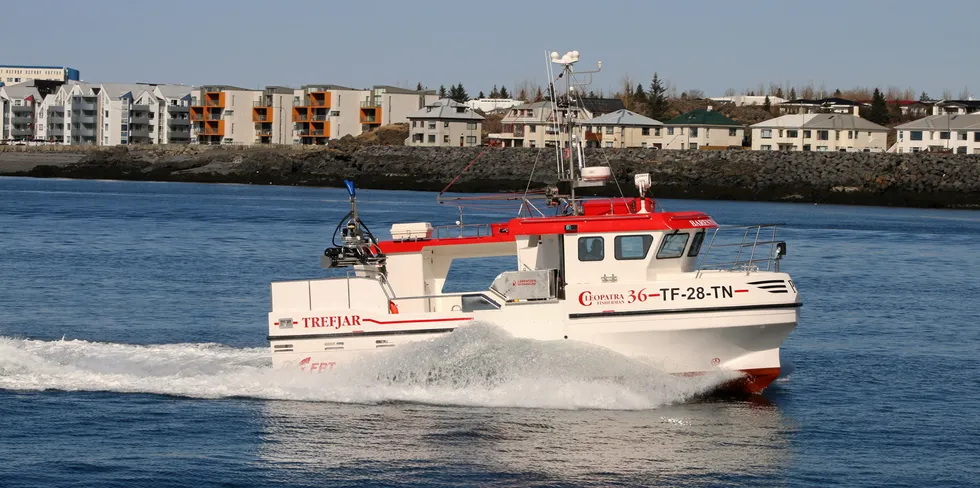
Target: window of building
[[944, 135], [632, 247], [534, 144], [673, 246], [961, 136], [471, 139], [445, 138], [821, 148], [692, 145], [471, 126], [732, 132], [806, 134], [609, 130], [609, 144], [767, 133], [335, 113], [432, 138], [976, 137], [591, 249], [670, 131], [694, 131], [432, 124], [915, 135], [532, 128], [656, 132], [961, 150], [413, 123], [645, 131], [792, 133], [765, 147], [823, 135], [530, 113], [445, 125]]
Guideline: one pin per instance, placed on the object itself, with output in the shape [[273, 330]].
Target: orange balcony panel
[[214, 99], [371, 116], [593, 136], [262, 114], [301, 114], [213, 128], [197, 114], [320, 129], [319, 99]]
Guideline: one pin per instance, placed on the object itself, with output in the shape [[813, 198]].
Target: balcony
[[320, 117], [371, 116], [319, 100], [139, 131], [21, 131], [179, 122], [139, 117], [371, 103], [214, 100], [210, 131], [262, 114], [79, 104], [196, 117], [303, 132], [177, 108], [22, 109], [22, 119], [301, 114]]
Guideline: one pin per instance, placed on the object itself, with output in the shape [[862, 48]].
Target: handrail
[[376, 275], [750, 238]]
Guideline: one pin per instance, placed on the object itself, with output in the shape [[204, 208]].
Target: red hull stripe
[[389, 322], [741, 291]]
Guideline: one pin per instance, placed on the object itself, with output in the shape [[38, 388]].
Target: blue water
[[132, 326]]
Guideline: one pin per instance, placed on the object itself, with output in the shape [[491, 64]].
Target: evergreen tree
[[539, 95], [924, 97], [779, 92], [767, 104], [494, 93], [523, 94], [657, 103], [792, 93], [503, 92], [458, 93], [419, 87], [837, 93], [879, 108], [442, 91], [481, 95]]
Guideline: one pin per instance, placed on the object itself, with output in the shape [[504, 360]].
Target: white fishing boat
[[621, 273]]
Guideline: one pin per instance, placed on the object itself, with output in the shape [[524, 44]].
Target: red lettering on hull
[[333, 322]]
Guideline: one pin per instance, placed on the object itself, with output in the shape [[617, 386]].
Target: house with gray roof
[[18, 110], [957, 133], [533, 124], [445, 122], [819, 132], [623, 128]]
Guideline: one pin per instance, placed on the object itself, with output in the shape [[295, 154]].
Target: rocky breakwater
[[922, 179]]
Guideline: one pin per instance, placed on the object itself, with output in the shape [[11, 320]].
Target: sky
[[707, 45]]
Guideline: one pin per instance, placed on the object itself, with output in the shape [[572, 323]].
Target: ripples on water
[[132, 324]]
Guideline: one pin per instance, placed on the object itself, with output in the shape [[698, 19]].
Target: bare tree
[[773, 89], [908, 94], [729, 92], [694, 93], [761, 89], [947, 94], [525, 90], [893, 93], [625, 93], [965, 94], [807, 91]]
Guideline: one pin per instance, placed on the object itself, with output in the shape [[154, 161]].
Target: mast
[[574, 149]]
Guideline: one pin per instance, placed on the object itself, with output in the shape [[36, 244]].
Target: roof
[[214, 88], [820, 121], [174, 91], [27, 66], [824, 101], [405, 91], [21, 92], [445, 108], [702, 117], [623, 117], [598, 106], [327, 86], [118, 90], [944, 122]]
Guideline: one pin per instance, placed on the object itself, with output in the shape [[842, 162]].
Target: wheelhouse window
[[632, 247], [696, 244], [591, 249], [673, 246]]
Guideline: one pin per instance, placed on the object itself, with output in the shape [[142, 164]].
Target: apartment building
[[173, 114], [623, 128], [824, 105], [956, 133], [324, 112], [702, 128], [222, 114], [819, 132], [747, 100], [445, 122], [18, 106], [385, 105], [11, 73], [490, 105], [534, 124], [271, 116]]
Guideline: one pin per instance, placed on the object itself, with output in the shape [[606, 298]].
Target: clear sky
[[705, 44]]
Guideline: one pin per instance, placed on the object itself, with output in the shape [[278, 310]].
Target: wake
[[476, 365]]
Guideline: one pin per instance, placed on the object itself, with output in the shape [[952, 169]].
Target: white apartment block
[[744, 100], [445, 122], [702, 128], [10, 74], [819, 132], [488, 105], [324, 112], [173, 114], [222, 114], [623, 128], [18, 108], [959, 134], [392, 105]]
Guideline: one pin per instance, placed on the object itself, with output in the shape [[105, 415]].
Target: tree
[[657, 103], [539, 95], [879, 108], [837, 93], [792, 93], [779, 92], [419, 87], [503, 92], [767, 104], [494, 93], [729, 92], [458, 93], [924, 97], [639, 99], [442, 91], [965, 94], [481, 94]]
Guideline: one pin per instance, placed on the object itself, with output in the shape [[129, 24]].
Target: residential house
[[18, 106], [445, 122], [955, 133], [824, 105], [81, 109], [537, 124], [222, 114], [743, 100], [957, 107], [702, 128], [173, 114], [385, 105], [324, 112], [623, 128], [819, 132], [11, 73], [124, 111]]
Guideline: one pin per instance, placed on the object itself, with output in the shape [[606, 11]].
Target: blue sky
[[705, 44]]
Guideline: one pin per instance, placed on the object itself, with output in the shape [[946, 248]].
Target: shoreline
[[919, 180]]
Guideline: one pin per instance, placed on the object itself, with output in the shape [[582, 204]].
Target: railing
[[370, 104], [260, 117], [320, 117], [263, 103], [746, 242], [462, 230]]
